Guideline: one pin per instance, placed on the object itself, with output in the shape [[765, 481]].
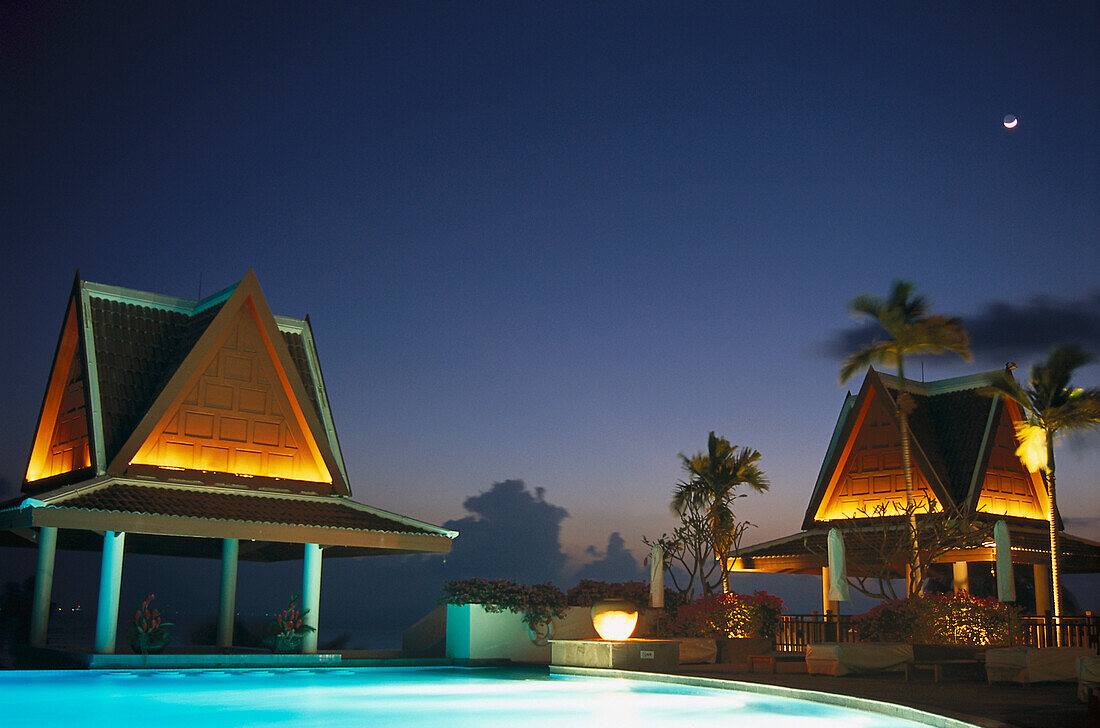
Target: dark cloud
[[614, 564], [1004, 330], [511, 534]]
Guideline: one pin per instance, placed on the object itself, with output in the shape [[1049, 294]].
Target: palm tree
[[713, 477], [904, 318], [1050, 406]]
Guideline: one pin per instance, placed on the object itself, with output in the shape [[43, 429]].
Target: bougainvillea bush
[[727, 615], [538, 603], [941, 619]]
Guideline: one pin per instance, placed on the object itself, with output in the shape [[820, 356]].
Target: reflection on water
[[350, 698]]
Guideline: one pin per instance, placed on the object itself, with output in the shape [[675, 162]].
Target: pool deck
[[966, 697]]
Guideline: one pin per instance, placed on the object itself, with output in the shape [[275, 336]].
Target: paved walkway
[[961, 695]]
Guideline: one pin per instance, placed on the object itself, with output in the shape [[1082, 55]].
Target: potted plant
[[147, 630], [288, 629], [478, 626], [539, 604]]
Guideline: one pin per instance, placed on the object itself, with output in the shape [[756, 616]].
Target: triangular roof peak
[[220, 377], [236, 405], [954, 429], [62, 449]]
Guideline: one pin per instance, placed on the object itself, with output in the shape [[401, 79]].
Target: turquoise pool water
[[346, 698]]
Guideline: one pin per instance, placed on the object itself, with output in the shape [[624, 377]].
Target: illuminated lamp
[[614, 619]]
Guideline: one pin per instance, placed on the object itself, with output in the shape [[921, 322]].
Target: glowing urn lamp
[[614, 619]]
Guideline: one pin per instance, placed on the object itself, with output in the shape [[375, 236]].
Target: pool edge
[[881, 707]]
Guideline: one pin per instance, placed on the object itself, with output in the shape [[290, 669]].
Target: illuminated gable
[[869, 472], [1008, 489], [237, 413], [61, 438]]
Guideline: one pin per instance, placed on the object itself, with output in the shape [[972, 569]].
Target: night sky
[[561, 242]]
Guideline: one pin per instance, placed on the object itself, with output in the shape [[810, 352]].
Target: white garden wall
[[474, 634]]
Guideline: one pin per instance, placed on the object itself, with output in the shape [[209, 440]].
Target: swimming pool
[[346, 698]]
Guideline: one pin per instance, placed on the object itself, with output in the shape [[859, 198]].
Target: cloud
[[1004, 330], [614, 564], [511, 534]]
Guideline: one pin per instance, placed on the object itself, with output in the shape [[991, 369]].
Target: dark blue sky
[[560, 242]]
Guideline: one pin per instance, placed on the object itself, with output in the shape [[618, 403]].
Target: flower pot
[[146, 643], [614, 619], [286, 644]]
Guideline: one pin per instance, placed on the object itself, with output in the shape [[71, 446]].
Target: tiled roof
[[139, 347], [227, 505], [136, 348], [949, 428], [301, 362]]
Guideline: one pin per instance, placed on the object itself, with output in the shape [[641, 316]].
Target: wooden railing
[[1076, 631], [795, 631]]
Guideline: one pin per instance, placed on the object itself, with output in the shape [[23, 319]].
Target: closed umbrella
[[1006, 581], [657, 577], [838, 570]]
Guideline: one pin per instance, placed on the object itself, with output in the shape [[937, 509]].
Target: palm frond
[[937, 335], [878, 352], [1079, 411]]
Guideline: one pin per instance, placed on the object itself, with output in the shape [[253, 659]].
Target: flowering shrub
[[538, 604], [288, 623], [149, 622], [941, 619], [887, 622], [727, 615]]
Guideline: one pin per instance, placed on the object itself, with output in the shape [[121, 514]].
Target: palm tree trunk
[[914, 577], [1052, 517]]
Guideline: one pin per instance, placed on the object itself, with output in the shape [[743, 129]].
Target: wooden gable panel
[[1008, 489], [61, 443], [236, 415], [870, 472]]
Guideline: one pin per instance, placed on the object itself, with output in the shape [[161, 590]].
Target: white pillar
[[961, 573], [43, 585], [227, 603], [1042, 588], [311, 595], [826, 605], [110, 583]]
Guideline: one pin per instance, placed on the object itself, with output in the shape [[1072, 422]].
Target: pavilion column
[[110, 583], [961, 573], [1042, 588], [827, 606], [43, 585], [227, 603], [311, 595]]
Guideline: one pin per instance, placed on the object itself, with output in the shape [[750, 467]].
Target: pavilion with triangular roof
[[963, 447], [191, 428]]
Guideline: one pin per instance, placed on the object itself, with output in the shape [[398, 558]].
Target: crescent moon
[[1011, 122]]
